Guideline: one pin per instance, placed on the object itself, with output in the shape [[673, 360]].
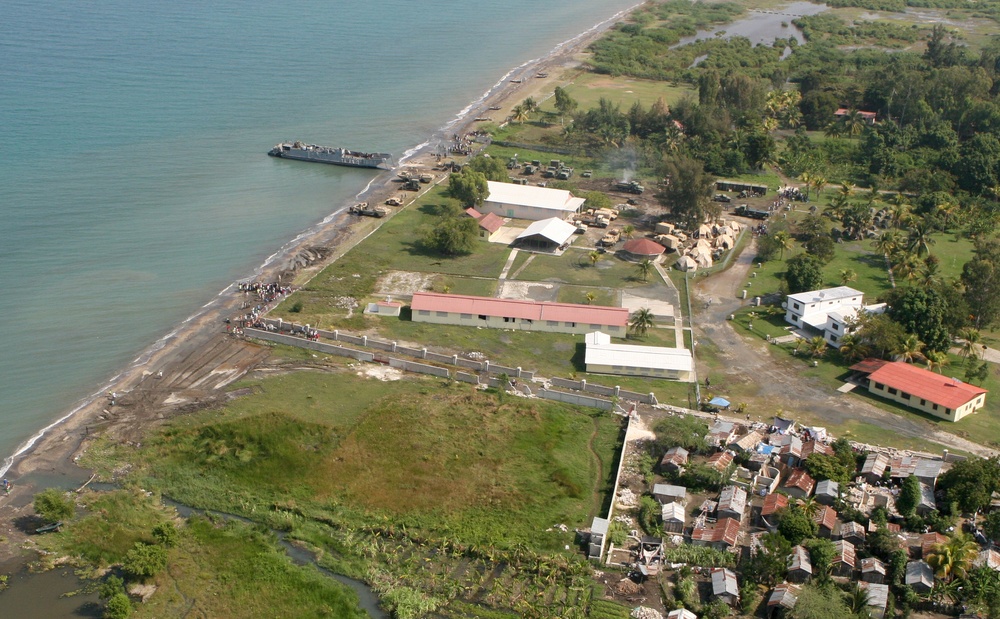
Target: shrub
[[296, 307], [119, 607], [144, 561], [165, 534], [52, 505]]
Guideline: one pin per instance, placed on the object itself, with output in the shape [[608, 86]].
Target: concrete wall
[[573, 398], [583, 385], [420, 368], [292, 340]]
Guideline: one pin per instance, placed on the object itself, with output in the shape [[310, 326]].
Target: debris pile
[[644, 612]]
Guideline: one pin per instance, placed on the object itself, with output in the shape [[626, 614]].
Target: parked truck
[[363, 208], [628, 187]]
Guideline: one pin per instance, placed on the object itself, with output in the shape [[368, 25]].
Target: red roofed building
[[930, 392], [523, 315], [868, 117], [725, 534], [799, 484], [773, 503], [644, 248], [489, 224]]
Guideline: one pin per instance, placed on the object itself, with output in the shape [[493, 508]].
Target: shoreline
[[53, 450]]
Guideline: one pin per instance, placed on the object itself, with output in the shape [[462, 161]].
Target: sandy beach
[[194, 366]]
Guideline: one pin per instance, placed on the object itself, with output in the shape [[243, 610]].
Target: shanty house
[[853, 532], [523, 315], [724, 535], [724, 586], [826, 519], [844, 558], [799, 565], [666, 493], [675, 460], [782, 599], [878, 598], [674, 518], [773, 503], [799, 484], [529, 202], [827, 491], [874, 467], [732, 502], [920, 576], [872, 570]]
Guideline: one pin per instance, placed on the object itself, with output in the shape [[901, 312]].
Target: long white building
[[529, 202], [604, 357]]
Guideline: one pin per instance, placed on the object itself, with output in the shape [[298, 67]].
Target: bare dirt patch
[[529, 290], [381, 372], [404, 283]]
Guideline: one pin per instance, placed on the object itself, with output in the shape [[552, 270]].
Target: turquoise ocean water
[[134, 184]]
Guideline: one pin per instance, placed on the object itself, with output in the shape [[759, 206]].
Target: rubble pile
[[644, 612]]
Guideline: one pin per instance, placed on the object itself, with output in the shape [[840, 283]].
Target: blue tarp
[[717, 401], [765, 449]]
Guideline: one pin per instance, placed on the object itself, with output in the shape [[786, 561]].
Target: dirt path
[[778, 385]]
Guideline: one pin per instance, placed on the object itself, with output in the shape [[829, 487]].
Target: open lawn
[[589, 88], [574, 267], [435, 456]]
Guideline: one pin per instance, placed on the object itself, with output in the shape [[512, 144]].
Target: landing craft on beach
[[335, 156]]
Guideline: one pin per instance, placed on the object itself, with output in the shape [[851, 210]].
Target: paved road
[[748, 361]]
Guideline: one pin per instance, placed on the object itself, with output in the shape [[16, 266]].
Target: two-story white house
[[831, 311]]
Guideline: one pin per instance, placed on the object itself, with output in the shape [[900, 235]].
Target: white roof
[[600, 351], [535, 197], [670, 490], [553, 229], [673, 511], [681, 613], [686, 263], [826, 294]]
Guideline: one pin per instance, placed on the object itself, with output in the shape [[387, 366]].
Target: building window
[[552, 323], [905, 395], [893, 391], [506, 319], [424, 312], [442, 314], [482, 317], [923, 402], [836, 327], [935, 407], [879, 386], [570, 324], [595, 326], [795, 306], [947, 411], [833, 338], [466, 316]]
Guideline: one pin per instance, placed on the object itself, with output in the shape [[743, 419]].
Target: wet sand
[[195, 365]]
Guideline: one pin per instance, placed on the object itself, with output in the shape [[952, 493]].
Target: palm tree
[[590, 296], [817, 346], [785, 241], [628, 230], [809, 506], [806, 177], [853, 348], [645, 268], [834, 130], [953, 558], [909, 349], [595, 257], [908, 266], [936, 359], [641, 321], [847, 276], [519, 114], [930, 271], [920, 240], [817, 183], [854, 123], [887, 243], [899, 211], [857, 600], [971, 339], [530, 106]]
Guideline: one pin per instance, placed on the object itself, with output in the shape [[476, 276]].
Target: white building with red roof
[[523, 315], [528, 202], [930, 392], [489, 223]]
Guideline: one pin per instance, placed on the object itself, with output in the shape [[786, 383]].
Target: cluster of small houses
[[772, 478], [703, 247]]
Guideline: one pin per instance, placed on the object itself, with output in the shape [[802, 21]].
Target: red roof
[[929, 540], [517, 308], [720, 460], [801, 480], [726, 530], [868, 365], [774, 502], [489, 222], [826, 517], [644, 247], [931, 386]]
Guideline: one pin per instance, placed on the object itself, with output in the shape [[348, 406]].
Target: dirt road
[[778, 385]]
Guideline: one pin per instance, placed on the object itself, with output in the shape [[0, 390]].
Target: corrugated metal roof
[[629, 355], [552, 229], [534, 197]]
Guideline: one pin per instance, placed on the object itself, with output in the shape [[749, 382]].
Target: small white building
[[668, 493], [811, 309], [529, 202], [546, 234], [604, 357]]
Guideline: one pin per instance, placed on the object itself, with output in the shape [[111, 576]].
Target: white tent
[[686, 263]]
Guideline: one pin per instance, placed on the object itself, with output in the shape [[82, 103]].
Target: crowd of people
[[791, 193]]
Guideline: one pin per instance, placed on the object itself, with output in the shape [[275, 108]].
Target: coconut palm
[[920, 239], [930, 271], [847, 276], [530, 106], [857, 600], [785, 241], [953, 558], [854, 123], [628, 230], [853, 348], [834, 130], [645, 268], [595, 257], [809, 506], [817, 346], [936, 359], [899, 211], [817, 183], [641, 321], [888, 242], [907, 266], [909, 349], [519, 114], [971, 339], [590, 296]]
